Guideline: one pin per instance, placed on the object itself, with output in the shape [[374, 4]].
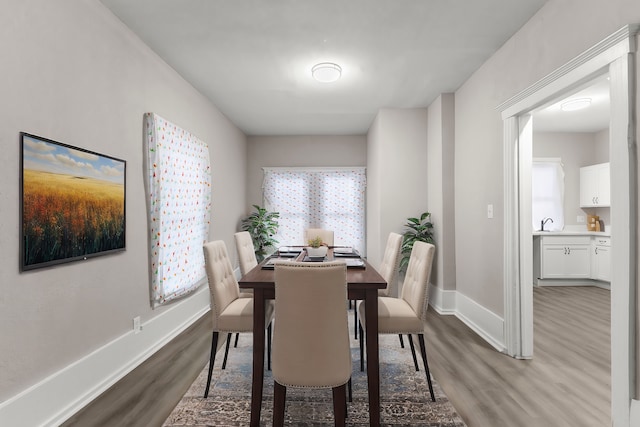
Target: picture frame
[[72, 203]]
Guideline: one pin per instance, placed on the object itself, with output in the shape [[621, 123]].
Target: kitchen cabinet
[[565, 257], [595, 186], [601, 259]]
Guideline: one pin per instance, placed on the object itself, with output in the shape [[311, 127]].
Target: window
[[179, 200], [329, 198], [547, 189]]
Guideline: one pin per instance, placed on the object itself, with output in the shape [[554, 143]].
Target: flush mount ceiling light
[[575, 104], [326, 72]]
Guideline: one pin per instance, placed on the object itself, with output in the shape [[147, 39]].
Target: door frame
[[615, 54]]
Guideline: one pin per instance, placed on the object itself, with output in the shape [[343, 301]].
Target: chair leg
[[401, 341], [426, 365], [350, 391], [413, 353], [235, 344], [279, 399], [212, 359], [361, 348], [226, 351], [355, 320], [269, 331], [339, 405]]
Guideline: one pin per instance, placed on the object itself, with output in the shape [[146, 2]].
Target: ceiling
[[252, 58], [594, 118]]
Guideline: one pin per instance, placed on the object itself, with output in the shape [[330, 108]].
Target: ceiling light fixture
[[575, 104], [326, 72]]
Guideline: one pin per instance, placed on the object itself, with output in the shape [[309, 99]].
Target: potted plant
[[317, 248], [262, 225], [416, 229]]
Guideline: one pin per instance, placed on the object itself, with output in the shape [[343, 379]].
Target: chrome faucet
[[543, 222]]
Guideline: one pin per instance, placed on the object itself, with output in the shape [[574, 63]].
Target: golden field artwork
[[73, 203]]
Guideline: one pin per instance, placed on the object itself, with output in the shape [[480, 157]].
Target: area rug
[[404, 394]]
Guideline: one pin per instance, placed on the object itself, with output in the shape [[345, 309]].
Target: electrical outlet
[[489, 211], [137, 326], [580, 219]]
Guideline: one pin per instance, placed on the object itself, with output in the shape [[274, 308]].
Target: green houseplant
[[262, 225], [416, 229], [316, 247]]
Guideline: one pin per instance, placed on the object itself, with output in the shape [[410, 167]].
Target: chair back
[[325, 235], [223, 285], [246, 252], [311, 340], [415, 288], [389, 265]]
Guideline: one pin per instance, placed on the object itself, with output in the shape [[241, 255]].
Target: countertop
[[606, 233]]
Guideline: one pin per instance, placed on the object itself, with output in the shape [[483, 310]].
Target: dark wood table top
[[358, 278]]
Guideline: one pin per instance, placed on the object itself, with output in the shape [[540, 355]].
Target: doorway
[[615, 56]]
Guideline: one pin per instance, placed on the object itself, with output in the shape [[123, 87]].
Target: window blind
[[179, 202], [328, 198]]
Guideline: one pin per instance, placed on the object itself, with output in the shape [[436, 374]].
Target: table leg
[[258, 356], [373, 363]]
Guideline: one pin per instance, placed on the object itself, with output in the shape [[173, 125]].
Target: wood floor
[[566, 384]]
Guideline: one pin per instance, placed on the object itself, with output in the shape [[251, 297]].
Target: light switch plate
[[489, 211]]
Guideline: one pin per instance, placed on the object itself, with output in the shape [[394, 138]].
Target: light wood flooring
[[566, 384]]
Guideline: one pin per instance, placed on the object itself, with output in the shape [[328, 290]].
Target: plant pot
[[319, 252]]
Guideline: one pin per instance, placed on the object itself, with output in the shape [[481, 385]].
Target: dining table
[[363, 283]]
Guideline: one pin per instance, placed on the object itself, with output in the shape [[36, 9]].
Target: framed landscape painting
[[72, 203]]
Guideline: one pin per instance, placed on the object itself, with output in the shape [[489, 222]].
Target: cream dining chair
[[406, 315], [389, 271], [231, 313], [247, 260], [311, 346], [246, 252], [325, 235]]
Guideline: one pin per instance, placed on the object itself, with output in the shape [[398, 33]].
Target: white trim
[[525, 228], [482, 321], [511, 272], [443, 302], [56, 398], [624, 195]]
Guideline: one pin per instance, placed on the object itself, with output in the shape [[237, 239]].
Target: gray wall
[[397, 158], [541, 46], [576, 150], [440, 184], [299, 151], [73, 73]]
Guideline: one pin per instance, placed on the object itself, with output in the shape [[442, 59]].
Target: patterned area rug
[[404, 394]]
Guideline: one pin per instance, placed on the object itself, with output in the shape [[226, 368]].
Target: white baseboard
[[444, 302], [56, 398], [482, 321]]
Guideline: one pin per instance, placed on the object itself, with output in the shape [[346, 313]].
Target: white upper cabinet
[[595, 186]]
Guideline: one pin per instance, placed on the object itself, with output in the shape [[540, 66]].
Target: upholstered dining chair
[[311, 341], [389, 271], [231, 313], [246, 252], [325, 235], [247, 260], [406, 315]]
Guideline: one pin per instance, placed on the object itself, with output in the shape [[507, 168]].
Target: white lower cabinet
[[601, 259], [565, 257]]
